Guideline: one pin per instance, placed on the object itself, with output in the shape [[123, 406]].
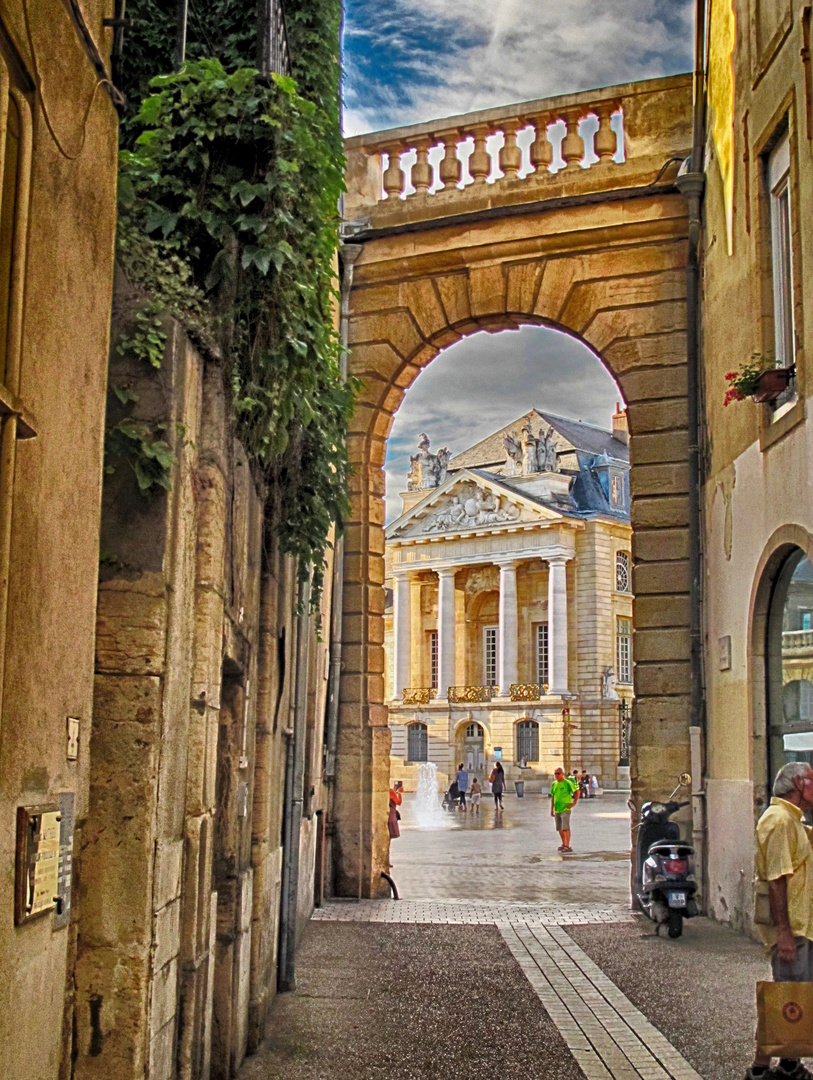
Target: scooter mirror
[[631, 804], [685, 779]]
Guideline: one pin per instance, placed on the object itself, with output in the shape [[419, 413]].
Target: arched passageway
[[596, 252]]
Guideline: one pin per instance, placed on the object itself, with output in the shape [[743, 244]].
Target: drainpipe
[[348, 254], [294, 799], [691, 184]]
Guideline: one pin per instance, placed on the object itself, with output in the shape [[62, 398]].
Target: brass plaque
[[37, 877]]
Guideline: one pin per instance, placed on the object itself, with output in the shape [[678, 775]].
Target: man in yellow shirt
[[784, 861]]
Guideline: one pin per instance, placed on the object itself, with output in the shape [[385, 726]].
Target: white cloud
[[417, 60], [478, 385]]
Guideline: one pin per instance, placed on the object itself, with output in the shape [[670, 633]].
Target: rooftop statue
[[530, 454], [427, 470]]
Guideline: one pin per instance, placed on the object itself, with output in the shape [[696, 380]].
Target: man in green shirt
[[564, 794]]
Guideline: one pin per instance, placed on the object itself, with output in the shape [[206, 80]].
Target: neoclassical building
[[508, 625]]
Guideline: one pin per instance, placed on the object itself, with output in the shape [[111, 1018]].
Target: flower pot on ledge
[[772, 383]]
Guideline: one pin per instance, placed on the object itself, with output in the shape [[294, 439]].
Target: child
[[474, 795]]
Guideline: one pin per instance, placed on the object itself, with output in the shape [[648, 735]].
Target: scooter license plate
[[677, 899]]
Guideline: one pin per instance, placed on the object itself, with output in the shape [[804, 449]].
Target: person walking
[[497, 781], [564, 794], [462, 785], [784, 866], [476, 793], [394, 815]]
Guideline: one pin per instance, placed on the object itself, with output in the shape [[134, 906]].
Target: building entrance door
[[474, 755]]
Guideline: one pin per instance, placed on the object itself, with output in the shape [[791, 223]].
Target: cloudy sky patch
[[482, 383], [413, 60]]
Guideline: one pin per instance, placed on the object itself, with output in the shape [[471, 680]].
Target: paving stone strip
[[609, 1038], [475, 912], [606, 1034]]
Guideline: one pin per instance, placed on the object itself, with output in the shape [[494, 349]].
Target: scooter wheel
[[675, 924]]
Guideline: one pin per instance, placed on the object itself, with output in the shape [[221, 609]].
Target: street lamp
[[623, 733]]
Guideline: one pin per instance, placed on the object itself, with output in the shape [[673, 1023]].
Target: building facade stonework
[[509, 632], [757, 248]]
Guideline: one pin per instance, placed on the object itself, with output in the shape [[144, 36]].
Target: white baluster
[[511, 155], [394, 177]]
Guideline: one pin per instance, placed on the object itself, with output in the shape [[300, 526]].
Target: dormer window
[[617, 491]]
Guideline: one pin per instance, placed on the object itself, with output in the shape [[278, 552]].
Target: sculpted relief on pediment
[[469, 507]]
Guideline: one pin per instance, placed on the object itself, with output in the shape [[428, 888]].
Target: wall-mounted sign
[[37, 872], [497, 753]]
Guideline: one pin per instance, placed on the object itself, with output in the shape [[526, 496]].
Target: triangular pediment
[[468, 501]]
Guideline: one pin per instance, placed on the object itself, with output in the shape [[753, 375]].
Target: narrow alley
[[505, 958]]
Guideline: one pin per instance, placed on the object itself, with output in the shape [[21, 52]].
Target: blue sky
[[408, 61]]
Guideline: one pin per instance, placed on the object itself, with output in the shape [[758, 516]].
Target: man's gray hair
[[783, 784]]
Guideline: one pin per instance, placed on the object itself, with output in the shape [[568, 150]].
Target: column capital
[[559, 559], [446, 571], [507, 563]]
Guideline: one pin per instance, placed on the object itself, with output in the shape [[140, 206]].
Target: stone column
[[446, 628], [402, 635], [507, 642], [557, 625]]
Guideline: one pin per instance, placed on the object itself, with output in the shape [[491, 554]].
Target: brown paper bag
[[785, 1019]]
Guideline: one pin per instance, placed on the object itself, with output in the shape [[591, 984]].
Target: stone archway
[[608, 269]]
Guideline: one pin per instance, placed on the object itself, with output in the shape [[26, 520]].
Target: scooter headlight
[[658, 808]]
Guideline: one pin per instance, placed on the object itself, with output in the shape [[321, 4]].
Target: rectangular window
[[781, 252], [542, 654], [527, 741], [490, 637], [433, 659], [417, 743], [623, 650]]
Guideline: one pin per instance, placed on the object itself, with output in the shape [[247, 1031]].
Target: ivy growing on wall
[[229, 188]]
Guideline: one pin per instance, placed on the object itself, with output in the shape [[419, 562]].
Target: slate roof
[[571, 435]]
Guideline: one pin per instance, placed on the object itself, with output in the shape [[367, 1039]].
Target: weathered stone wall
[[178, 879], [55, 348]]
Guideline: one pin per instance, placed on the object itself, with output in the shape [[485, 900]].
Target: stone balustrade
[[597, 140], [797, 642], [505, 151]]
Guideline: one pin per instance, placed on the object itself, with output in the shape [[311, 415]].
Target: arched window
[[789, 661], [622, 571], [417, 743], [527, 740]]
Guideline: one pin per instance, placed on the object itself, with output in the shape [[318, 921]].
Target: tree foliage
[[229, 188]]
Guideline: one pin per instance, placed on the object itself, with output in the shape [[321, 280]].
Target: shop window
[[527, 741], [542, 654], [623, 650], [490, 638], [622, 571], [789, 658], [417, 743]]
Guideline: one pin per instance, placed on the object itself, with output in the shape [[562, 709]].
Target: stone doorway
[[472, 747]]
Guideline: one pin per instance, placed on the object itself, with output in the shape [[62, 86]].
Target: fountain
[[428, 811]]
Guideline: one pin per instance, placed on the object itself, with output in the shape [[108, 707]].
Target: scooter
[[664, 882]]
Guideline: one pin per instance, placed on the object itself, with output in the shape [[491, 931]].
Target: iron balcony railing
[[470, 695], [528, 691]]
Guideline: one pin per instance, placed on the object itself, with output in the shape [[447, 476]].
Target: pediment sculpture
[[469, 508], [530, 453], [427, 470]]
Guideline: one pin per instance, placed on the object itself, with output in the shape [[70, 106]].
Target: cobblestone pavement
[[511, 855], [608, 1036]]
